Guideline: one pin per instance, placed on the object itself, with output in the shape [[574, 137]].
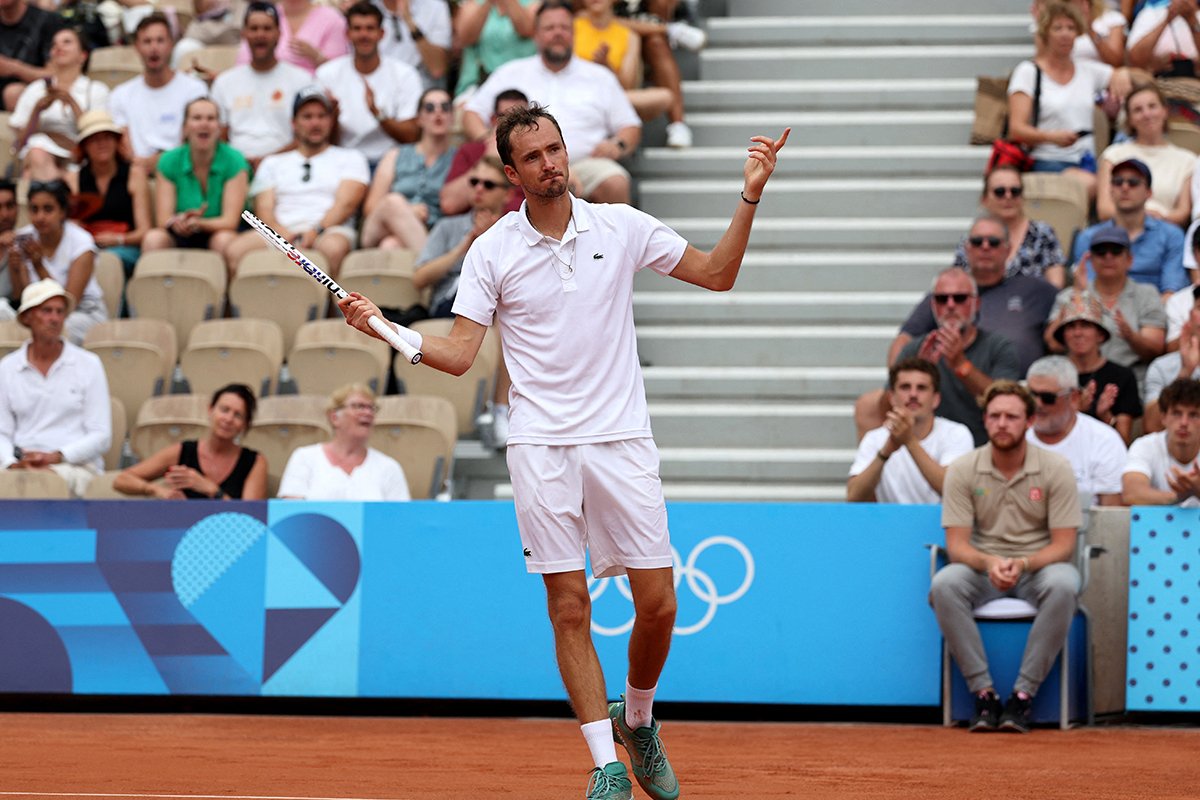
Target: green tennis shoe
[[610, 783], [647, 755]]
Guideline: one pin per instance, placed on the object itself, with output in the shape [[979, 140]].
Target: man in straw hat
[[54, 403]]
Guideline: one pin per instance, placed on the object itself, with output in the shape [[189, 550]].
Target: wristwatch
[[416, 34]]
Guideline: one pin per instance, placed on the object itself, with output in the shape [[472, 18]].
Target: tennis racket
[[281, 244]]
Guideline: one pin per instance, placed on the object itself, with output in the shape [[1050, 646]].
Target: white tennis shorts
[[605, 498]]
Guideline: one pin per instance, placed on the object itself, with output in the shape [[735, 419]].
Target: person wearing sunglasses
[[456, 194], [1162, 468], [1034, 248], [1156, 245]]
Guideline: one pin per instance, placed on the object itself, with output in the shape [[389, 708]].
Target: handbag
[[1009, 153]]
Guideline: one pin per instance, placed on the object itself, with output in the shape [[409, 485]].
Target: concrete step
[[823, 271], [695, 305], [817, 233], [909, 8], [734, 492], [863, 61], [882, 197], [707, 382], [840, 128], [765, 345], [737, 465], [869, 29], [944, 161], [823, 94], [741, 424]]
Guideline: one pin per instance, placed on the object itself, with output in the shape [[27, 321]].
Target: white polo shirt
[[68, 409], [300, 204], [585, 98], [1096, 451], [901, 480], [1149, 456], [397, 88], [154, 115], [257, 106], [567, 332]]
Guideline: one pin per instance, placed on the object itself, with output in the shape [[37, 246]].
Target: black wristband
[[748, 200], [220, 495]]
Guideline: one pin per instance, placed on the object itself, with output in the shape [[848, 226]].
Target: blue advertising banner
[[778, 603]]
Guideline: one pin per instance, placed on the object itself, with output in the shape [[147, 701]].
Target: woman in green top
[[201, 187]]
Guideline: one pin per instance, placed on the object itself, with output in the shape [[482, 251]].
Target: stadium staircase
[[751, 391]]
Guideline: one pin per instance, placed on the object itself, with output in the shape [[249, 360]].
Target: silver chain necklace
[[567, 270]]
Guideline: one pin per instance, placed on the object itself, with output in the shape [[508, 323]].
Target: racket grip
[[394, 339]]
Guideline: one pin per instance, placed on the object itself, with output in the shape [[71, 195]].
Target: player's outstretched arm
[[718, 269], [453, 354]]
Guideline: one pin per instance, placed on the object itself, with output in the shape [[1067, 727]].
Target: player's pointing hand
[[761, 163]]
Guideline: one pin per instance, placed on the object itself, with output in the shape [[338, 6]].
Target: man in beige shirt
[[1011, 514]]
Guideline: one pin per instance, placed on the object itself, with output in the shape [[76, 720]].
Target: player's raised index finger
[[778, 145]]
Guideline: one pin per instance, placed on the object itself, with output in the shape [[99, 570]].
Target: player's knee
[[658, 613], [569, 611]]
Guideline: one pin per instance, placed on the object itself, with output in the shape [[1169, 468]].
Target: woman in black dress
[[213, 468]]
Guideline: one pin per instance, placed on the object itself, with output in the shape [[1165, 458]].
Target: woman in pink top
[[309, 35]]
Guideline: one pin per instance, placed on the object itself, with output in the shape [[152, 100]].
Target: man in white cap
[[54, 403]]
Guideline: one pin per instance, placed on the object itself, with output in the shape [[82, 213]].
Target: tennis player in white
[[557, 277]]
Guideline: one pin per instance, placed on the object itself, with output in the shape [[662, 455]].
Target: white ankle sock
[[638, 706], [599, 738]]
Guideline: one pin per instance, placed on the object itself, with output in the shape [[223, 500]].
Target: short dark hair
[[522, 118], [261, 7], [915, 364], [1004, 387], [7, 186], [152, 19], [365, 8], [241, 390], [508, 94], [56, 188], [552, 5], [1183, 392]]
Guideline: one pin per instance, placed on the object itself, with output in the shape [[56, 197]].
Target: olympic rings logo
[[699, 582]]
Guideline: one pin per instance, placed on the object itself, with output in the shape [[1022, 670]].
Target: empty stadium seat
[[138, 357], [7, 137], [1184, 134], [120, 427], [222, 351], [32, 484], [215, 58], [1056, 199], [383, 275], [114, 65], [12, 335], [420, 432], [283, 423], [329, 353], [469, 392], [101, 488], [269, 286], [110, 274], [168, 419], [181, 286]]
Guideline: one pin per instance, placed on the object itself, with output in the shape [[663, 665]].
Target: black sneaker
[[987, 713], [1016, 714]]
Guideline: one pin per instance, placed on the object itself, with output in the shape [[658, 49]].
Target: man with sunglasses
[[455, 197], [1157, 246], [1162, 468]]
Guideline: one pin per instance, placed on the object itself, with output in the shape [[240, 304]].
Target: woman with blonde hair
[[345, 467]]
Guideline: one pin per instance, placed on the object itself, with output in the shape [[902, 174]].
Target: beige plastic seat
[[138, 357], [1184, 134], [180, 286], [383, 275], [32, 484], [101, 488], [222, 351], [269, 286], [110, 274], [114, 65], [12, 335], [184, 11], [419, 431], [168, 419], [329, 353], [7, 137], [215, 58], [120, 427], [469, 392], [283, 423], [1058, 200]]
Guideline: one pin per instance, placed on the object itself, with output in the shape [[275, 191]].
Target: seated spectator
[[599, 125], [1162, 38], [403, 203], [1157, 246], [345, 467], [217, 22], [923, 444], [1061, 137], [1109, 391], [660, 33], [491, 33], [1179, 305], [1162, 469], [1104, 41], [54, 403], [150, 107], [1034, 248], [86, 16], [213, 468], [1011, 514], [52, 247], [1095, 450], [1171, 165], [26, 32], [309, 35], [1133, 314], [1182, 363], [8, 224], [256, 98], [377, 97], [114, 194], [201, 188], [601, 38], [457, 193], [418, 33], [664, 17], [309, 195], [45, 120]]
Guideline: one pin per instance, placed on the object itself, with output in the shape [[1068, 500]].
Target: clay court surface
[[207, 756]]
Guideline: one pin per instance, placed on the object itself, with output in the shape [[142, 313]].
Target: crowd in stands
[[364, 125]]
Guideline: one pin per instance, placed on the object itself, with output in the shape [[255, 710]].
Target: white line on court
[[187, 796]]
